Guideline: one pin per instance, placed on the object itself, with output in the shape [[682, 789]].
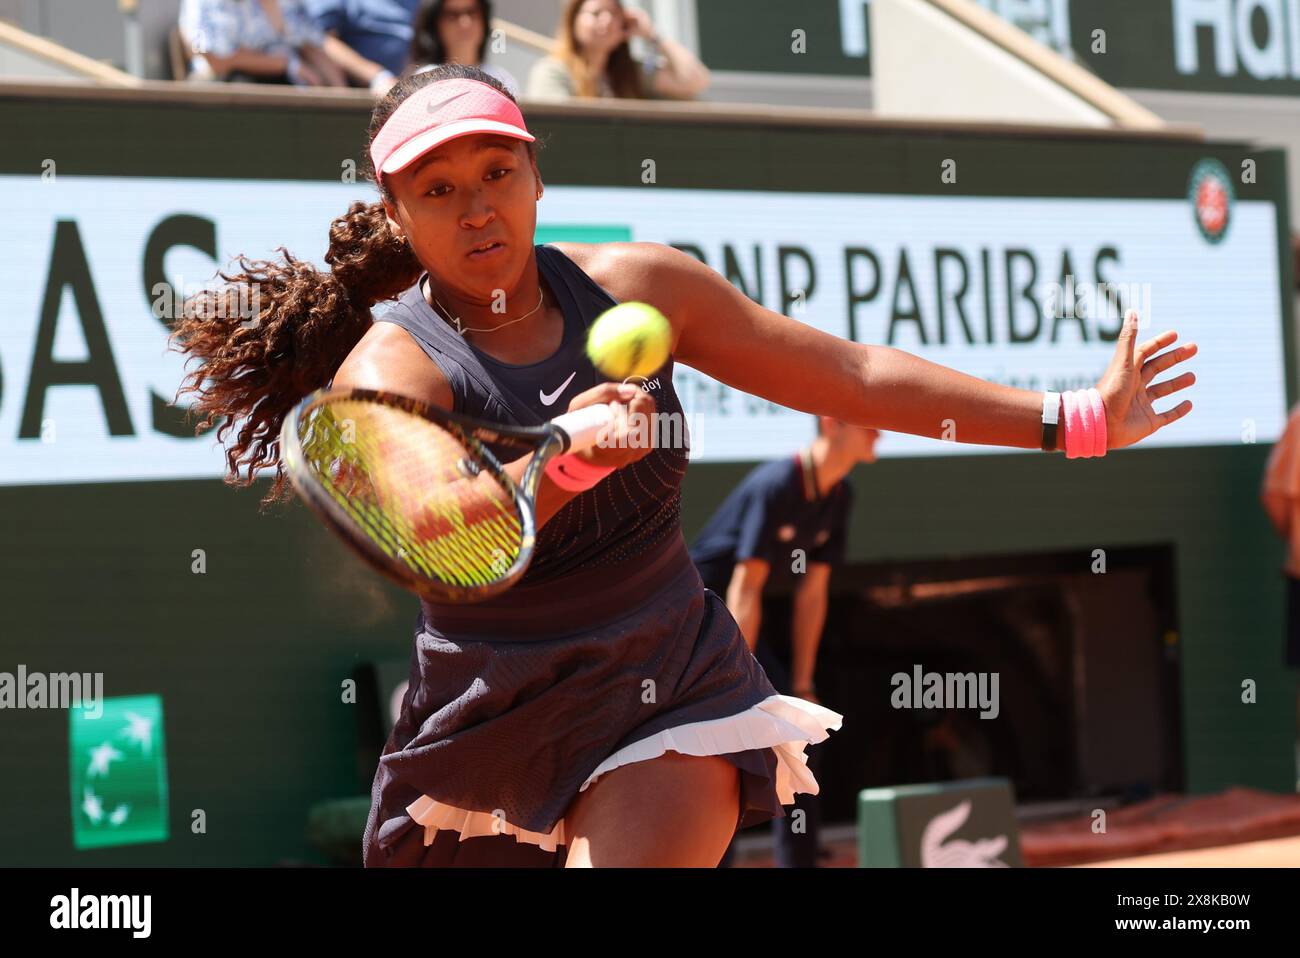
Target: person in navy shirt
[[786, 526], [369, 39]]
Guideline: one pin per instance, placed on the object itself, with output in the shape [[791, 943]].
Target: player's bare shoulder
[[644, 272], [389, 359]]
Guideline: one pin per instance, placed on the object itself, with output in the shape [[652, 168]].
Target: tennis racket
[[415, 491]]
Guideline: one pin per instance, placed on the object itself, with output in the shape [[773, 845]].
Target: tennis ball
[[630, 339]]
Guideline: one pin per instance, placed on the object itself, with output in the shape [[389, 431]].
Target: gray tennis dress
[[609, 651]]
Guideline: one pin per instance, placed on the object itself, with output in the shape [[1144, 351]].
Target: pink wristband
[[1087, 424], [1073, 425], [573, 474], [1100, 438]]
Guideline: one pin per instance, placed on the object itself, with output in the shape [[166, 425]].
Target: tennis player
[[606, 710]]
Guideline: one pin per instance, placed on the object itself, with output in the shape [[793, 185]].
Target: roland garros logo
[[1210, 191]]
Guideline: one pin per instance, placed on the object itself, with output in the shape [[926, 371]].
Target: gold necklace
[[455, 320]]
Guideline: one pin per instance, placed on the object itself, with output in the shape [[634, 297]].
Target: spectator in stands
[[370, 40], [456, 31], [592, 58], [263, 41]]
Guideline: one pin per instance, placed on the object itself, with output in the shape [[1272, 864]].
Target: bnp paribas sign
[[1227, 46], [1027, 291]]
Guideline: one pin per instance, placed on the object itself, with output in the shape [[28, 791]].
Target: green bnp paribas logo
[[118, 773], [582, 233]]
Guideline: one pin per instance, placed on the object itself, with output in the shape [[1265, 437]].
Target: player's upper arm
[[388, 359], [723, 333], [720, 331], [645, 272]]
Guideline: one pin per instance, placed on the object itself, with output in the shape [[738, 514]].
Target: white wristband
[[379, 80], [1051, 420], [1051, 407]]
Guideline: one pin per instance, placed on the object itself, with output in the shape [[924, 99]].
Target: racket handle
[[583, 426]]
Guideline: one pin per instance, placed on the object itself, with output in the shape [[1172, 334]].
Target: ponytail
[[253, 370]]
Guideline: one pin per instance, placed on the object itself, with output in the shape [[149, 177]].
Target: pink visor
[[440, 112]]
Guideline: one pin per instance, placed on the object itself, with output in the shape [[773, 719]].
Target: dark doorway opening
[[1087, 663]]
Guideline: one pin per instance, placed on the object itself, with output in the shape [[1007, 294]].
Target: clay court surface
[[1277, 853], [1236, 828]]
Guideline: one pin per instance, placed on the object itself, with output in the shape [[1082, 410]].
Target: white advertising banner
[[1024, 291]]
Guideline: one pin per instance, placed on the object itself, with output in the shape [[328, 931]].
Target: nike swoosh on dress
[[549, 399]]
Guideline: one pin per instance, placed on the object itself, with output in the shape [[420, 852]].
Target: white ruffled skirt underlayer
[[781, 722]]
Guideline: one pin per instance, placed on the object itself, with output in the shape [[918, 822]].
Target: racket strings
[[414, 490]]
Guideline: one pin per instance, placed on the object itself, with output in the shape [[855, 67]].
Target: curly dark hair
[[253, 370]]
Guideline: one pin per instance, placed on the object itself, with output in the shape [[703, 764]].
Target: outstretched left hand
[[1126, 388]]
